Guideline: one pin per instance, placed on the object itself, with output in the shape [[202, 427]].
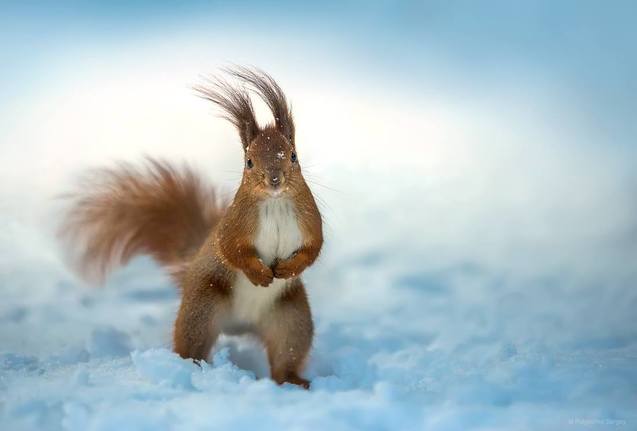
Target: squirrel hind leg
[[287, 334], [197, 326]]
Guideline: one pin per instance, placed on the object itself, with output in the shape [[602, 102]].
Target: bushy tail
[[158, 210]]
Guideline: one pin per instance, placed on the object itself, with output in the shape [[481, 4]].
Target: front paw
[[260, 277], [287, 269]]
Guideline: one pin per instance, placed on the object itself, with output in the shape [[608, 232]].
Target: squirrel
[[237, 265]]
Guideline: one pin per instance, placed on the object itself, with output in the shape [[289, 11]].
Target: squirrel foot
[[294, 379]]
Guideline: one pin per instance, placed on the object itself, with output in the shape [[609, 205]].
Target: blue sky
[[585, 48]]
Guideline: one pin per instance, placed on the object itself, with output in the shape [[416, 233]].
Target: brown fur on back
[[159, 210]]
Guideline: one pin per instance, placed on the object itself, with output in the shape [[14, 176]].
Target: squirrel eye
[[293, 157], [249, 164]]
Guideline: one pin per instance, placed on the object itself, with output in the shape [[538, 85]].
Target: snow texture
[[400, 345]]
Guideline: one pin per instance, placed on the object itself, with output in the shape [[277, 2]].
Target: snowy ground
[[409, 337]]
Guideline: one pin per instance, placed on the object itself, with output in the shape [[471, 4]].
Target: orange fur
[[169, 214], [160, 210]]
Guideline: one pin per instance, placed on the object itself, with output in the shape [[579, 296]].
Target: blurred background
[[474, 163]]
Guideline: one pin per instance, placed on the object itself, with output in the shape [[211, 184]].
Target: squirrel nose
[[275, 179]]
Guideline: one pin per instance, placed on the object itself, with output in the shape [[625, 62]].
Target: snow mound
[[164, 367]]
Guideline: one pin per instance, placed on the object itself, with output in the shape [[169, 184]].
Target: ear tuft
[[236, 104], [267, 88]]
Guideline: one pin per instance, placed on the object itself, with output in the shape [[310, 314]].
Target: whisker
[[314, 182]]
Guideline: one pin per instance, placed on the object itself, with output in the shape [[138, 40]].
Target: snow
[[400, 344], [478, 273], [164, 367], [108, 342]]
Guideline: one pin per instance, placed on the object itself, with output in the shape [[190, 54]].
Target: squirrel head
[[271, 166]]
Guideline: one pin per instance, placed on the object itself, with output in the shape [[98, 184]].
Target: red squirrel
[[238, 266]]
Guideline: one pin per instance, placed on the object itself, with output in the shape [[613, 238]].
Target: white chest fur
[[278, 236]]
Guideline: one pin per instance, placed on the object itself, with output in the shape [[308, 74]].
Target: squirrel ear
[[247, 133], [236, 104], [267, 88]]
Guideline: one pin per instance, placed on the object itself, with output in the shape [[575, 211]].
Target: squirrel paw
[[287, 269], [262, 277]]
